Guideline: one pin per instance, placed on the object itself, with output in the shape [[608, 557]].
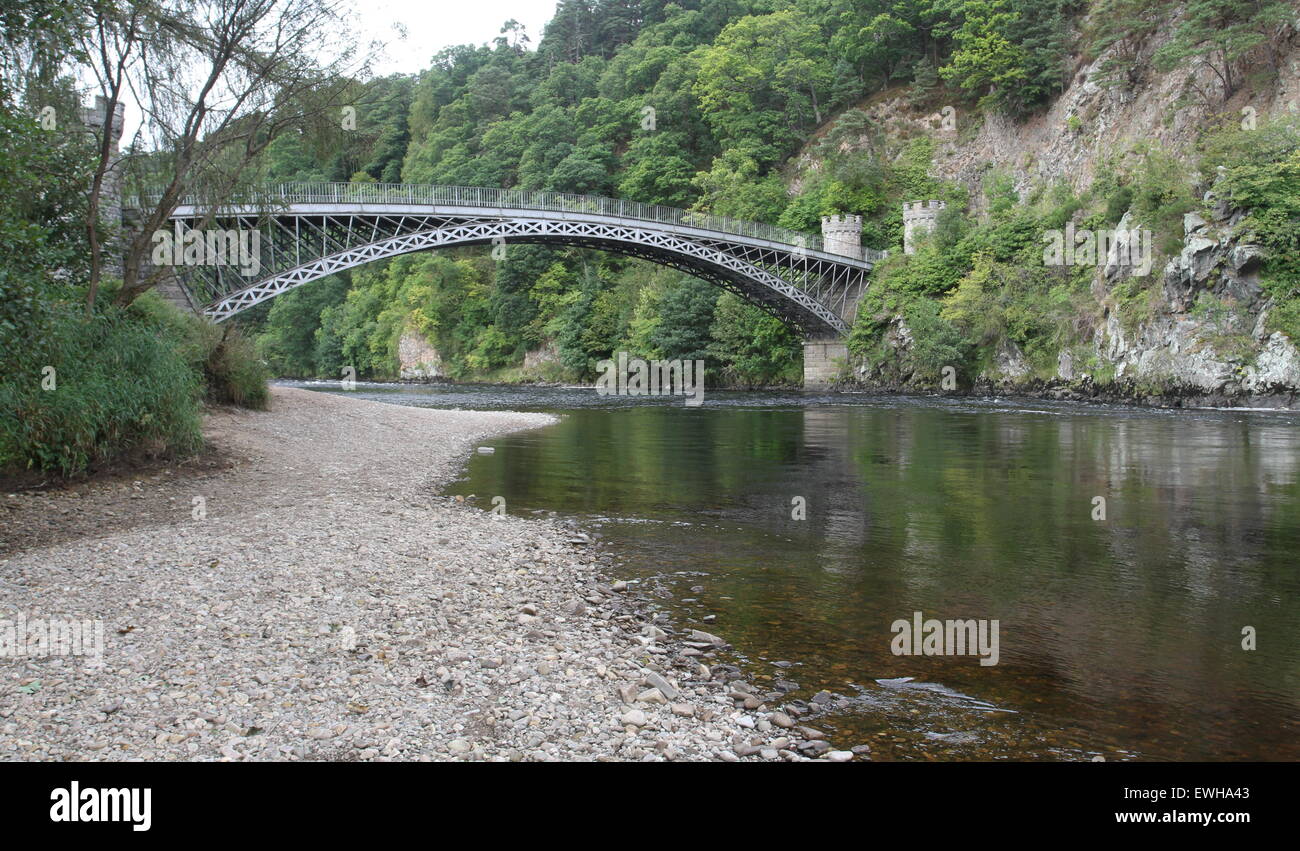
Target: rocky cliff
[[417, 359], [1203, 338], [1184, 354]]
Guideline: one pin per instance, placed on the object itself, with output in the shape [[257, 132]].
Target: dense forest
[[755, 109], [705, 104], [697, 104]]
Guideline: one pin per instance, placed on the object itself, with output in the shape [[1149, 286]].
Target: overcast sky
[[432, 25]]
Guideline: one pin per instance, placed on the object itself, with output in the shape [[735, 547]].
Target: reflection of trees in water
[[1128, 628], [1138, 616], [1134, 621]]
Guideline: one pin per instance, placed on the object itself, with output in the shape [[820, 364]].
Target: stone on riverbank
[[330, 606]]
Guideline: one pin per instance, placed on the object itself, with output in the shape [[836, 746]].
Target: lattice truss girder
[[813, 293]]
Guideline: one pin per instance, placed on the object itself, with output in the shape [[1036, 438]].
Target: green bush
[[935, 342], [1162, 194], [85, 392], [1261, 173], [751, 347], [975, 285], [94, 390], [232, 370], [234, 374]]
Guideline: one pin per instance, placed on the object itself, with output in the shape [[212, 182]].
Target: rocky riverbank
[[313, 598]]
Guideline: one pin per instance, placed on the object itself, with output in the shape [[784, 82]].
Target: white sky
[[432, 25]]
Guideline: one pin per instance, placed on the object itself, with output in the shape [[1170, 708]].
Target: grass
[[95, 390], [87, 392]]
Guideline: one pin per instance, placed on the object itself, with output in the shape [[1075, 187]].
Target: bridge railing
[[482, 196]]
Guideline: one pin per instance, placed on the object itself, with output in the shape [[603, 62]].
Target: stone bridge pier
[[825, 356]]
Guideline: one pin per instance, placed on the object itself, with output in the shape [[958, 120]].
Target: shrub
[[935, 342], [233, 372], [752, 347], [1261, 173], [1162, 194], [85, 392], [118, 387]]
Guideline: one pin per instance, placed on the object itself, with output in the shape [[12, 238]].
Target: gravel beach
[[312, 597]]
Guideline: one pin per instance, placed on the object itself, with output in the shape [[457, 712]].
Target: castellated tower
[[824, 357], [918, 217], [110, 198], [843, 235]]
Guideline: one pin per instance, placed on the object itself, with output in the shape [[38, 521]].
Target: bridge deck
[[403, 198], [344, 208]]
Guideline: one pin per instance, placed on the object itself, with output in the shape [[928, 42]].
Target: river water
[[1121, 551]]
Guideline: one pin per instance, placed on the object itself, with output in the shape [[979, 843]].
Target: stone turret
[[843, 235], [93, 117], [918, 218], [824, 357], [117, 220], [110, 198]]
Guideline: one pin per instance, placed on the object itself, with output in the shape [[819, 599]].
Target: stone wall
[[823, 363], [171, 291], [110, 197]]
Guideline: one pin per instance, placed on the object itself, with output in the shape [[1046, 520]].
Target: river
[[1121, 551]]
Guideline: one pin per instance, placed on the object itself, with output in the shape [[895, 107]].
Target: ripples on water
[[1119, 638]]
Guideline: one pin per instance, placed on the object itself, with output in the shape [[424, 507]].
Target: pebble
[[358, 638]]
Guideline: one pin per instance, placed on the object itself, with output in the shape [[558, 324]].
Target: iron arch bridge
[[304, 232]]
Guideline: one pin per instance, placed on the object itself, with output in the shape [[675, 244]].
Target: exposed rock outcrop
[[547, 355], [418, 360], [1204, 341], [1207, 338], [1203, 338]]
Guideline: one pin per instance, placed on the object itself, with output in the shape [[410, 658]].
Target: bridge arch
[[305, 233]]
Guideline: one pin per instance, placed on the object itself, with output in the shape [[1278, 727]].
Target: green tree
[[289, 340], [764, 82], [687, 315], [751, 346], [1014, 50], [1222, 33]]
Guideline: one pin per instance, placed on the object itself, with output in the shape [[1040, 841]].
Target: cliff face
[[1186, 348], [1228, 357], [417, 359], [1090, 122], [1181, 354]]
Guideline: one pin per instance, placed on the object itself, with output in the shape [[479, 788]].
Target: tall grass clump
[[94, 390], [124, 383], [233, 372]]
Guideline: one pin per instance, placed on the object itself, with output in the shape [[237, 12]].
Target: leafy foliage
[[118, 386], [700, 104], [695, 104], [80, 390]]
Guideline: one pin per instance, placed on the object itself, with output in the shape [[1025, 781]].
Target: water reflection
[[1119, 636]]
